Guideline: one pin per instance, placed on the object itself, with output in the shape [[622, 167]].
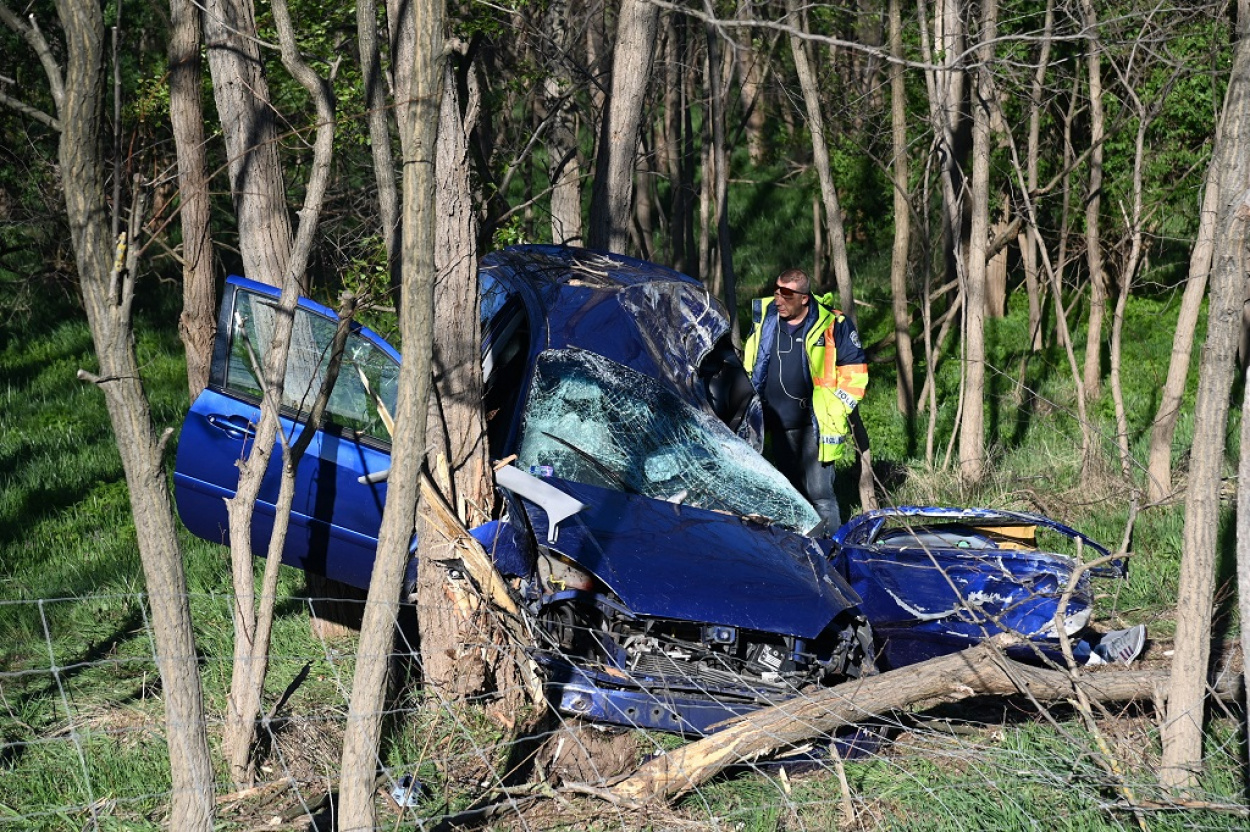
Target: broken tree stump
[[980, 670]]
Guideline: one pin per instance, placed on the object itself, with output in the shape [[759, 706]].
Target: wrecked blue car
[[665, 564], [935, 580]]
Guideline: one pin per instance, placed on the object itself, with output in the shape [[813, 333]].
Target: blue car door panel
[[336, 515]]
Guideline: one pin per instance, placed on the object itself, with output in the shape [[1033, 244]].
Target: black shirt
[[788, 384]]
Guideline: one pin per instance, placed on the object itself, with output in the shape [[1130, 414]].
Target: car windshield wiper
[[607, 472]]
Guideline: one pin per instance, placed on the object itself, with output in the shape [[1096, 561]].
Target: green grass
[[997, 779], [81, 716]]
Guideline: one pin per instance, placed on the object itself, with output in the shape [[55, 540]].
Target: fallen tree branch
[[981, 670]]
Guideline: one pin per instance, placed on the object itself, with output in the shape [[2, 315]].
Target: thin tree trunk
[[1117, 344], [1028, 243], [419, 128], [904, 362], [689, 153], [972, 426], [197, 326], [1135, 222], [818, 244], [612, 203], [820, 158], [670, 148], [563, 163], [720, 165], [1182, 731], [751, 85], [1060, 263], [946, 96], [1092, 381], [644, 201], [1032, 288], [253, 624], [707, 253], [107, 272], [379, 133], [996, 270], [946, 114], [1159, 466], [247, 126]]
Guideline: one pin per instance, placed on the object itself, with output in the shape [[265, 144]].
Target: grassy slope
[[71, 582], [80, 711]]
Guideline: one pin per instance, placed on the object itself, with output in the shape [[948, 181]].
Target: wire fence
[[85, 742]]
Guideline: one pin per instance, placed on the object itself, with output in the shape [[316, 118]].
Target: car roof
[[645, 316]]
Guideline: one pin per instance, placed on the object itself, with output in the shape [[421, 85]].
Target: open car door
[[337, 509]]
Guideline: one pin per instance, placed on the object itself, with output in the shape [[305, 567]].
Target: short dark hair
[[797, 276]]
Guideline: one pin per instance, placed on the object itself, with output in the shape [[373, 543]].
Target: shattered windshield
[[597, 422]]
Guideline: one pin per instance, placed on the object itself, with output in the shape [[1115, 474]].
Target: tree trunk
[[708, 270], [1032, 288], [107, 274], [1159, 467], [972, 426], [904, 362], [946, 101], [1182, 731], [996, 273], [672, 145], [379, 133], [720, 166], [1060, 263], [612, 203], [1092, 381], [1243, 539], [419, 127], [820, 157], [247, 125], [750, 65], [197, 325], [950, 126], [643, 228], [1136, 233], [453, 635], [563, 163], [1028, 242], [253, 624], [689, 155], [1243, 471]]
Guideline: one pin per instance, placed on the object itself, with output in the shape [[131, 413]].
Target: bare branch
[[26, 109], [33, 36]]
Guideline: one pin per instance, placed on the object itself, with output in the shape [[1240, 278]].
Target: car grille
[[697, 675]]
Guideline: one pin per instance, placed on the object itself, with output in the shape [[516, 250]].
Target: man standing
[[809, 369]]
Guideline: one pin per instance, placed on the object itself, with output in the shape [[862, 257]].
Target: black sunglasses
[[787, 293]]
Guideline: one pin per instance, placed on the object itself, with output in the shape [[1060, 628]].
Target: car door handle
[[375, 477], [236, 427]]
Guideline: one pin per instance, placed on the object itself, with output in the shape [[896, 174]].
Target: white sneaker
[[1120, 646]]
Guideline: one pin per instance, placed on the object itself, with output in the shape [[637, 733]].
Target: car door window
[[364, 395]]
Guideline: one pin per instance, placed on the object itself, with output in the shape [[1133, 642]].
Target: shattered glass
[[364, 393], [597, 422]]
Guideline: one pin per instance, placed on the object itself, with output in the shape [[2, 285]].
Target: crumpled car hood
[[655, 556], [863, 529], [937, 579]]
